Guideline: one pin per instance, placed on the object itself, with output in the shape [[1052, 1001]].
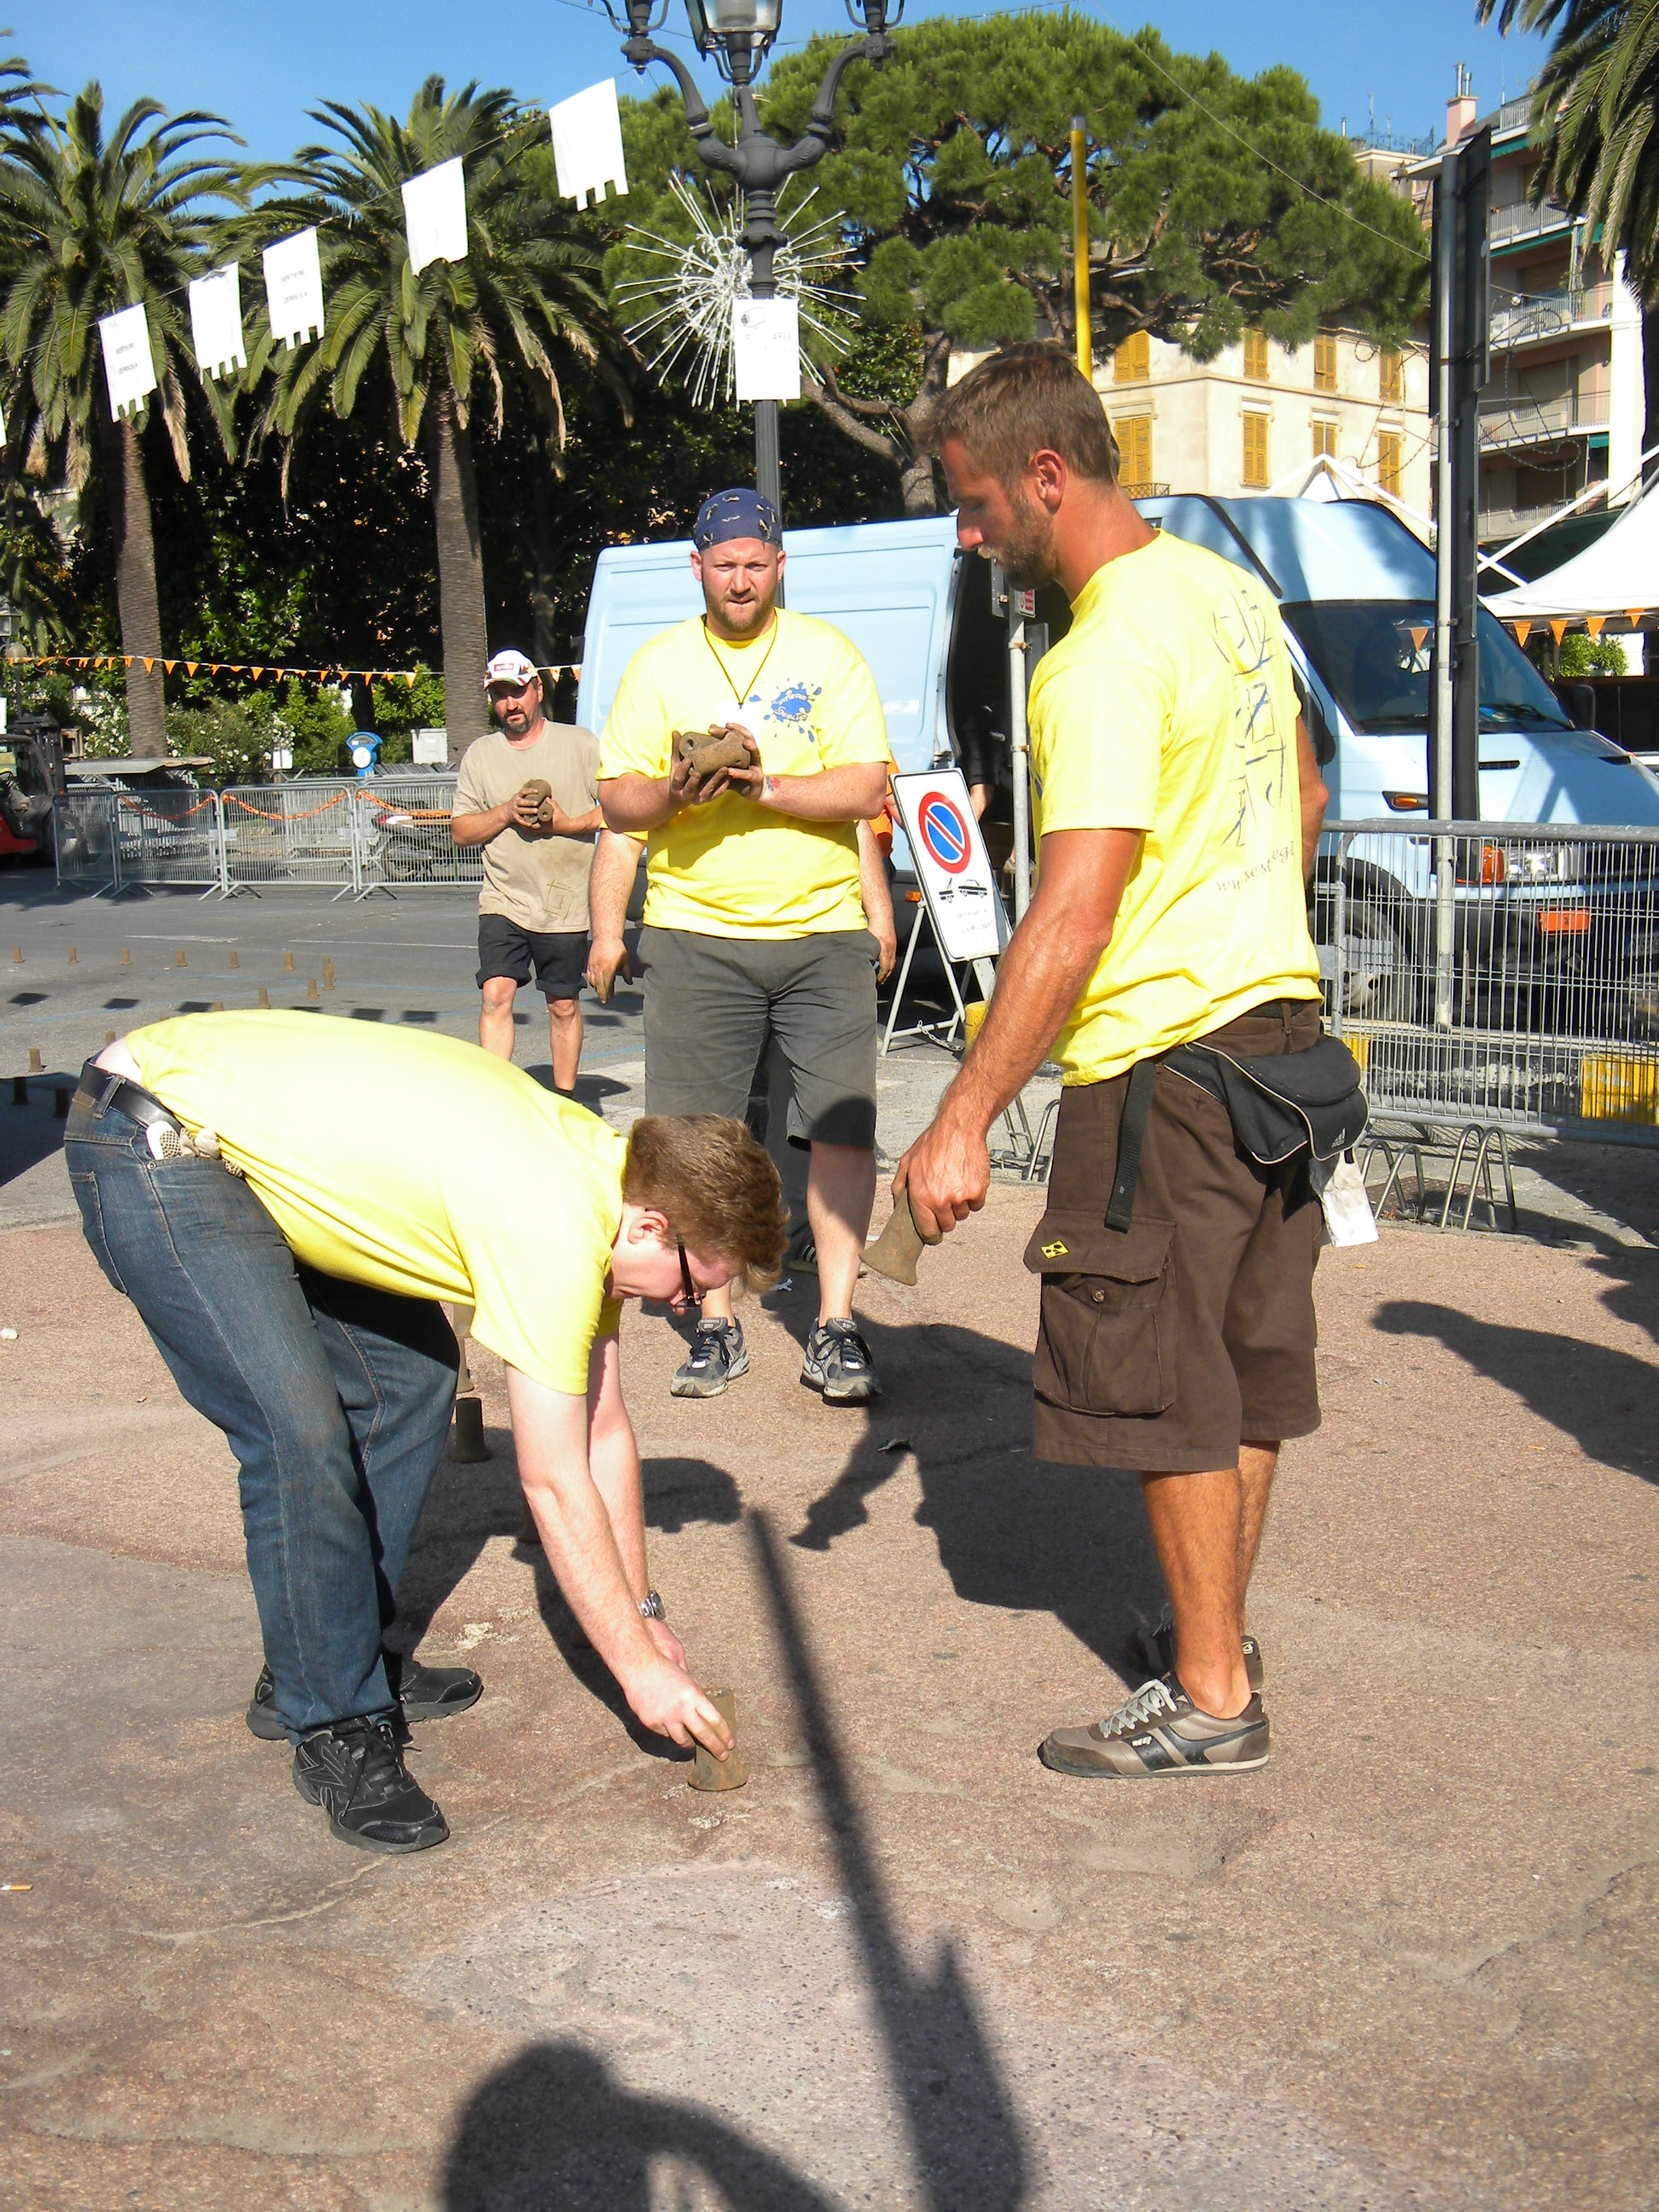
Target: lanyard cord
[[726, 671]]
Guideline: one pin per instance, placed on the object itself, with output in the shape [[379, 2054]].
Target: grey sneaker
[[837, 1361], [1154, 1649], [1160, 1731], [718, 1356]]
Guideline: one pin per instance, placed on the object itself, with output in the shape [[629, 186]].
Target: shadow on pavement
[[964, 2134], [1013, 1531], [468, 1505], [1593, 1393], [554, 2127]]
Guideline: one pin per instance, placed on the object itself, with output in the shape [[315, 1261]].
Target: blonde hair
[[1022, 400], [716, 1186]]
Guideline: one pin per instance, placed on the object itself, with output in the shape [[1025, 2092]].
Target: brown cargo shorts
[[1163, 1347]]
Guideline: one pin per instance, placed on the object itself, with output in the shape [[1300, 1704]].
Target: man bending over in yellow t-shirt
[[286, 1199]]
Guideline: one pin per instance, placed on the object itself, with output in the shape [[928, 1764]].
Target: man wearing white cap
[[528, 793]]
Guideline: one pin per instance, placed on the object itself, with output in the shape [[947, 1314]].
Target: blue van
[[1355, 588]]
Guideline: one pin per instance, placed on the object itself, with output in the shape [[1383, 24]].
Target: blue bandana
[[736, 514]]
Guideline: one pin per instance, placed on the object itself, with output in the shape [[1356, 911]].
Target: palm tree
[[1596, 116], [89, 226], [528, 297]]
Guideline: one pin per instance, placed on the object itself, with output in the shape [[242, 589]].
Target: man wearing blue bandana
[[755, 927]]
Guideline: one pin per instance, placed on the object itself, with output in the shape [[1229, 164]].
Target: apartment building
[[1563, 413], [1261, 411]]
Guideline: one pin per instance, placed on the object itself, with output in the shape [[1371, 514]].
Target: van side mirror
[[1579, 700]]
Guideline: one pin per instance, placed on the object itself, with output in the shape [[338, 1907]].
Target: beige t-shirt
[[540, 883]]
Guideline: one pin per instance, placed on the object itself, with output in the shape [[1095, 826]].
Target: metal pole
[[1440, 744], [1085, 348]]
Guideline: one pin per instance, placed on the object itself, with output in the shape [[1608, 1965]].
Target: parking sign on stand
[[952, 865]]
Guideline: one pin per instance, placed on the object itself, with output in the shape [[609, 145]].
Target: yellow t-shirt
[[415, 1163], [1169, 708], [805, 695]]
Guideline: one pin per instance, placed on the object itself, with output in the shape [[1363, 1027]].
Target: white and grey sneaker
[[718, 1356], [1159, 1730], [837, 1361]]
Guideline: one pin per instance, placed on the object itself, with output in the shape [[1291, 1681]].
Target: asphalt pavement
[[1411, 1964]]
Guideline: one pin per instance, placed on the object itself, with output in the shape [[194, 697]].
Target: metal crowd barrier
[[169, 837], [290, 833], [1495, 979], [84, 842], [402, 826]]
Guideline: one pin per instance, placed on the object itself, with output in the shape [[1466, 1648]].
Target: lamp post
[[738, 34]]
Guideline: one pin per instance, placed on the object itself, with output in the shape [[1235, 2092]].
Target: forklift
[[31, 777]]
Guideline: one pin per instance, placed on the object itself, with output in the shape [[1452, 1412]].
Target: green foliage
[[1584, 655], [234, 734], [528, 291], [953, 164], [1595, 112], [89, 225]]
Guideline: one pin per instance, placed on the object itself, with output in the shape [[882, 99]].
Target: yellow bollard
[[264, 996], [235, 957], [328, 975], [74, 958]]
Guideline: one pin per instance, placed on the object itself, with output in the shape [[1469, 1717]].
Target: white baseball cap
[[509, 667]]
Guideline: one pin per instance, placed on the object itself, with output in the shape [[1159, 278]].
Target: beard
[[1027, 550], [744, 619]]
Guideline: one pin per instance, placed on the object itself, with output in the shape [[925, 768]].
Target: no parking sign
[[952, 865]]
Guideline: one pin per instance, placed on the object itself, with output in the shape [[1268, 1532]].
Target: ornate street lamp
[[738, 33]]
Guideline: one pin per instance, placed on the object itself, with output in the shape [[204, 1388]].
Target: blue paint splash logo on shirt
[[794, 703]]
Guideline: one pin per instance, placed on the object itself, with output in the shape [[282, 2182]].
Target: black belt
[[103, 1089]]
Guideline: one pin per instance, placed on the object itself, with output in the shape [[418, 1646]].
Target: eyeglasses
[[694, 1297]]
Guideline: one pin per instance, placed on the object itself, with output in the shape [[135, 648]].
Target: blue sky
[[264, 62]]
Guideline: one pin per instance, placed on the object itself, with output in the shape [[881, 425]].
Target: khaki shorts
[[711, 1003], [1164, 1346]]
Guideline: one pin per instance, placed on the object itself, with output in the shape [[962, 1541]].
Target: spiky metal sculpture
[[689, 295]]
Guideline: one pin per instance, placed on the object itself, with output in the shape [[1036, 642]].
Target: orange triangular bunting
[[409, 678], [1522, 632], [150, 664], [1593, 623], [1418, 636], [1634, 617], [169, 665], [256, 673], [278, 673], [190, 667], [82, 662], [126, 660], [1559, 628], [215, 667]]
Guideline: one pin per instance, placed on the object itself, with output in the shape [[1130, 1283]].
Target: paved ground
[[1410, 1964]]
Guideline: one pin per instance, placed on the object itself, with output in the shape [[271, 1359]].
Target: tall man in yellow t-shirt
[[285, 1199], [1178, 803], [753, 921]]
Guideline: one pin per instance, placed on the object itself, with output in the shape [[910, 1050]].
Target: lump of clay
[[723, 745]]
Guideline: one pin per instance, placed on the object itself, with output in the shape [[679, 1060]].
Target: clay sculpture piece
[[895, 1251], [723, 745], [540, 795]]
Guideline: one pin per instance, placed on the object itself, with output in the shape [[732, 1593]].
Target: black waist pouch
[[1285, 1104], [1279, 1105]]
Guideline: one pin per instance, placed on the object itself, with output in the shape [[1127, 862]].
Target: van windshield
[[1374, 654]]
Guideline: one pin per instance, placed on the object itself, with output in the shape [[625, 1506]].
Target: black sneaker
[[838, 1362], [718, 1356], [356, 1772], [426, 1693], [1160, 1731], [1153, 1650]]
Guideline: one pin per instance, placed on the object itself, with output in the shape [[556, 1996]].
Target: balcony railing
[[1142, 490], [1524, 220], [1500, 524], [1514, 112], [1523, 422], [1549, 314]]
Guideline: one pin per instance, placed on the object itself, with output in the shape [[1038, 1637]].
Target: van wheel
[[1377, 984]]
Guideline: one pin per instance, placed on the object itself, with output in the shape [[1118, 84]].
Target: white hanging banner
[[128, 365], [435, 215], [294, 287], [766, 349], [215, 321], [587, 147]]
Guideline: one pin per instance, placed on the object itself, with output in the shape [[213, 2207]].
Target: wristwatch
[[651, 1607]]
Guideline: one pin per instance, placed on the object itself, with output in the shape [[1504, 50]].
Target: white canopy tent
[[1611, 585]]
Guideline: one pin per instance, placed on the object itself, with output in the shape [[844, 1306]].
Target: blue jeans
[[335, 1398]]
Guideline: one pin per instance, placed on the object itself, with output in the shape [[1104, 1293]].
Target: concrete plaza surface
[[1411, 1964]]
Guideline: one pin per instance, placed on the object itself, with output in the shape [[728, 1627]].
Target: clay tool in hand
[[895, 1251], [708, 1772]]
